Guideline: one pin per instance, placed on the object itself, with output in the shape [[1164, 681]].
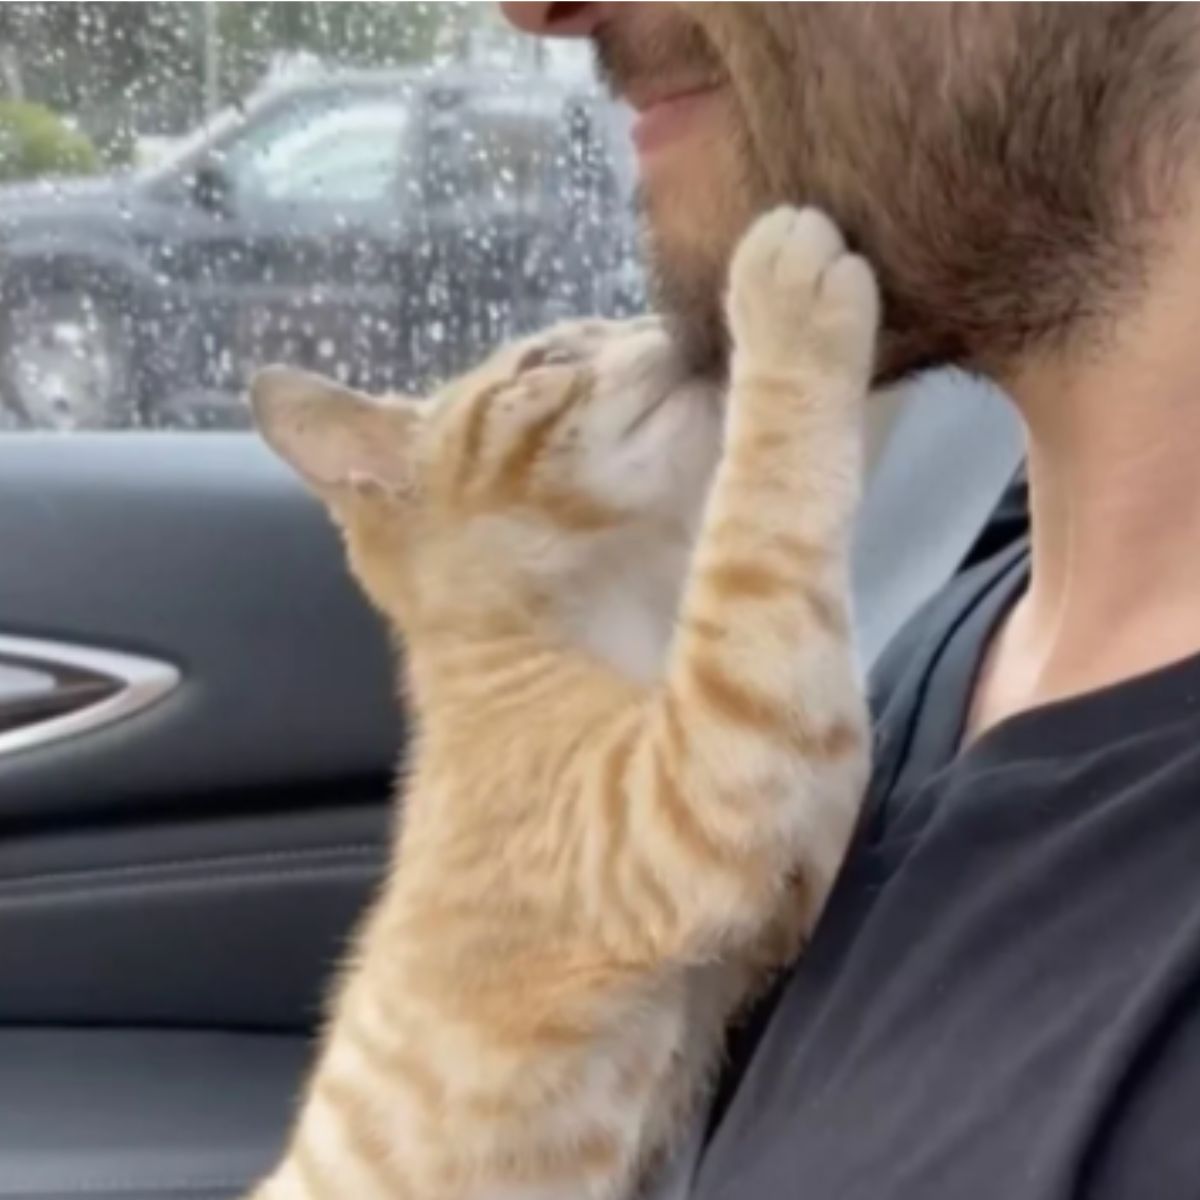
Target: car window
[[381, 192], [341, 150]]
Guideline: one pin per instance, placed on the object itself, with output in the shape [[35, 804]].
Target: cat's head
[[569, 454]]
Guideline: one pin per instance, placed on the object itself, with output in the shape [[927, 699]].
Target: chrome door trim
[[141, 682]]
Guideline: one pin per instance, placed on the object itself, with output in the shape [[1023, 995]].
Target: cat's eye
[[546, 356]]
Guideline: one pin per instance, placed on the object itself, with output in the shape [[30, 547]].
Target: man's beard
[[682, 288], [686, 265], [1001, 165]]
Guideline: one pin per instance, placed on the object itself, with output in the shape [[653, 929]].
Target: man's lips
[[665, 115]]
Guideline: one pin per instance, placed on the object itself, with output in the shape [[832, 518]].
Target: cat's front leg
[[803, 313], [749, 768]]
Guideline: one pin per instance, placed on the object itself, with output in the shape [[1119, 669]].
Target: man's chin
[[702, 340], [697, 199], [688, 265], [688, 294]]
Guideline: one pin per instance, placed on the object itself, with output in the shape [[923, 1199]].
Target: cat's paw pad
[[799, 300]]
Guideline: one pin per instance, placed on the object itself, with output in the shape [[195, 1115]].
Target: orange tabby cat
[[641, 741]]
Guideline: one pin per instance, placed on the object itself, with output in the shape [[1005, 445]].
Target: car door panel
[[203, 552], [200, 861], [142, 1114], [229, 923]]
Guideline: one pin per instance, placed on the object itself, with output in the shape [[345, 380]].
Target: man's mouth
[[664, 115]]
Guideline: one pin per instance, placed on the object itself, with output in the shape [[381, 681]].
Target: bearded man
[[1002, 1001]]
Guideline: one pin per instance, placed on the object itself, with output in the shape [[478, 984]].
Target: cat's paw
[[799, 302]]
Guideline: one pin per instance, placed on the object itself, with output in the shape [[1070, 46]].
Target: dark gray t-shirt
[[1003, 1000]]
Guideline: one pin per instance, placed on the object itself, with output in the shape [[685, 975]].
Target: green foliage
[[34, 142]]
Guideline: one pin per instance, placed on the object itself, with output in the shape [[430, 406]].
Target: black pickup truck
[[382, 226]]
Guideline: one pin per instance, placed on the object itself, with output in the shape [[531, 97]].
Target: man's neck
[[1114, 471]]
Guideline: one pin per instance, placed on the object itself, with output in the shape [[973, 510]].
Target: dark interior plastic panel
[[199, 549], [234, 924], [142, 1115]]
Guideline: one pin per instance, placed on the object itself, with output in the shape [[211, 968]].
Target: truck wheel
[[66, 360]]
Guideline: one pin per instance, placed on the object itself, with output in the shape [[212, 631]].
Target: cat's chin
[[690, 405], [692, 422]]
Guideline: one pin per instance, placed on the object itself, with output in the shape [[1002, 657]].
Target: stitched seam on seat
[[212, 882], [147, 872]]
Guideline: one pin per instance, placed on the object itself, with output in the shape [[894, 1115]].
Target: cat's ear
[[333, 436]]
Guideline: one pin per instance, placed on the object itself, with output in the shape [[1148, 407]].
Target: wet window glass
[[345, 150], [377, 191]]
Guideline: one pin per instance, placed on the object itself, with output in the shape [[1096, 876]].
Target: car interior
[[176, 885], [198, 737]]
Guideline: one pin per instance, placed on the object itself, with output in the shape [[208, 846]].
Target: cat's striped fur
[[641, 738]]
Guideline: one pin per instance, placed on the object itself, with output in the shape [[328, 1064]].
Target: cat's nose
[[556, 20]]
